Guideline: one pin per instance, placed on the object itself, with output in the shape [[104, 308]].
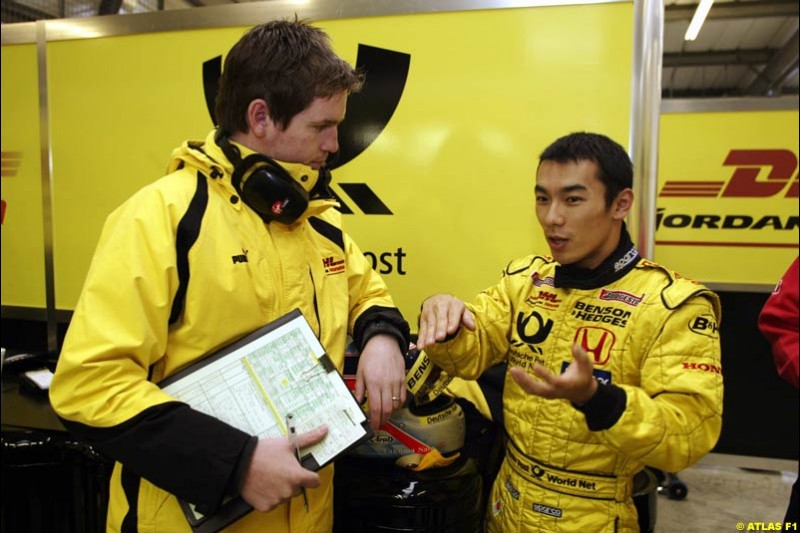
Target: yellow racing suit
[[654, 342], [183, 268]]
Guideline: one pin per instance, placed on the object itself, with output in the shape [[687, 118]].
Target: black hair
[[614, 165]]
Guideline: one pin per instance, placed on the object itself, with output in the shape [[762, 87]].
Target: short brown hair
[[288, 63]]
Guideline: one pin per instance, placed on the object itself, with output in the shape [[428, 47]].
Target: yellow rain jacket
[[183, 268]]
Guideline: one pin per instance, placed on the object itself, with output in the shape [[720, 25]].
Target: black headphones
[[267, 187]]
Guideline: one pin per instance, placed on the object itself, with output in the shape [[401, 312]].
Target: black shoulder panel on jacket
[[328, 230], [188, 231]]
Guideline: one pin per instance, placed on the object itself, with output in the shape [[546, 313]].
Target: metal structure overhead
[[745, 47]]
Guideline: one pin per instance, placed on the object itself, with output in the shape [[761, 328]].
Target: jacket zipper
[[316, 307]]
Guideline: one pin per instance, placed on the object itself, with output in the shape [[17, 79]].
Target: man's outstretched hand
[[577, 384], [441, 316]]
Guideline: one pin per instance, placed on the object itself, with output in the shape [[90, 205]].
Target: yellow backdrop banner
[[440, 199], [727, 207], [23, 280]]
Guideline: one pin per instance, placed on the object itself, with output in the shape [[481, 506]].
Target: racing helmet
[[429, 421]]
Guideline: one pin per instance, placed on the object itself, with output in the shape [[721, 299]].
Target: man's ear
[[258, 120], [622, 204]]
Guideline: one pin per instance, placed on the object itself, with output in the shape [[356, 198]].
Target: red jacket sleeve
[[779, 324]]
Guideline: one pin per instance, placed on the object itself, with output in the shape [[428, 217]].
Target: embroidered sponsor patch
[[603, 376], [631, 255], [605, 314], [621, 296], [545, 509], [240, 258], [497, 508], [703, 367], [332, 266], [547, 300], [704, 325], [597, 342], [532, 328], [539, 281], [511, 489]]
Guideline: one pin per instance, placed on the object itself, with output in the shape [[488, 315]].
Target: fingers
[[576, 383], [309, 480], [274, 475], [545, 375], [530, 385], [427, 323], [452, 320], [468, 319], [360, 386], [582, 358], [383, 402], [587, 384], [381, 376], [522, 379], [376, 410], [307, 438], [400, 396], [441, 316]]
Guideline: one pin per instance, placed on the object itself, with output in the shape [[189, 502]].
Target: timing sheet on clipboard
[[278, 369]]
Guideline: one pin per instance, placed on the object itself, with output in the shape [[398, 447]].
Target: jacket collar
[[614, 267], [208, 157]]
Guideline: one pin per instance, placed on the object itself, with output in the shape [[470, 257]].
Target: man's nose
[[330, 143], [554, 215]]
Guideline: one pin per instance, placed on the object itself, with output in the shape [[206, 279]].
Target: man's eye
[[573, 199]]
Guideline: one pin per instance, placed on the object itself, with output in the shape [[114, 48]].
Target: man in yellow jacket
[[241, 231], [614, 360]]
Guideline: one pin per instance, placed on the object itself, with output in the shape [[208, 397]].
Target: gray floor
[[723, 496]]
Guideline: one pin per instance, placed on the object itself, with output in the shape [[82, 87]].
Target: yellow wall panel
[[23, 281], [486, 92]]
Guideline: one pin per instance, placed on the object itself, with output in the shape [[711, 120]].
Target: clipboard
[[253, 383]]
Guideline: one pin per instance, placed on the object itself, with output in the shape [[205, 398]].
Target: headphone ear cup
[[269, 190], [264, 185]]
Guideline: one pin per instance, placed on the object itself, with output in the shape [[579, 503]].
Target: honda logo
[[597, 342]]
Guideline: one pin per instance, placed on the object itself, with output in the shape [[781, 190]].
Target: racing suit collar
[[614, 267]]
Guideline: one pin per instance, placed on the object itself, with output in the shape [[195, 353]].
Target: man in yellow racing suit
[[614, 360], [193, 262]]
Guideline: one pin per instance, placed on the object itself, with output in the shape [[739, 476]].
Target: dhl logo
[[745, 183], [9, 164]]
